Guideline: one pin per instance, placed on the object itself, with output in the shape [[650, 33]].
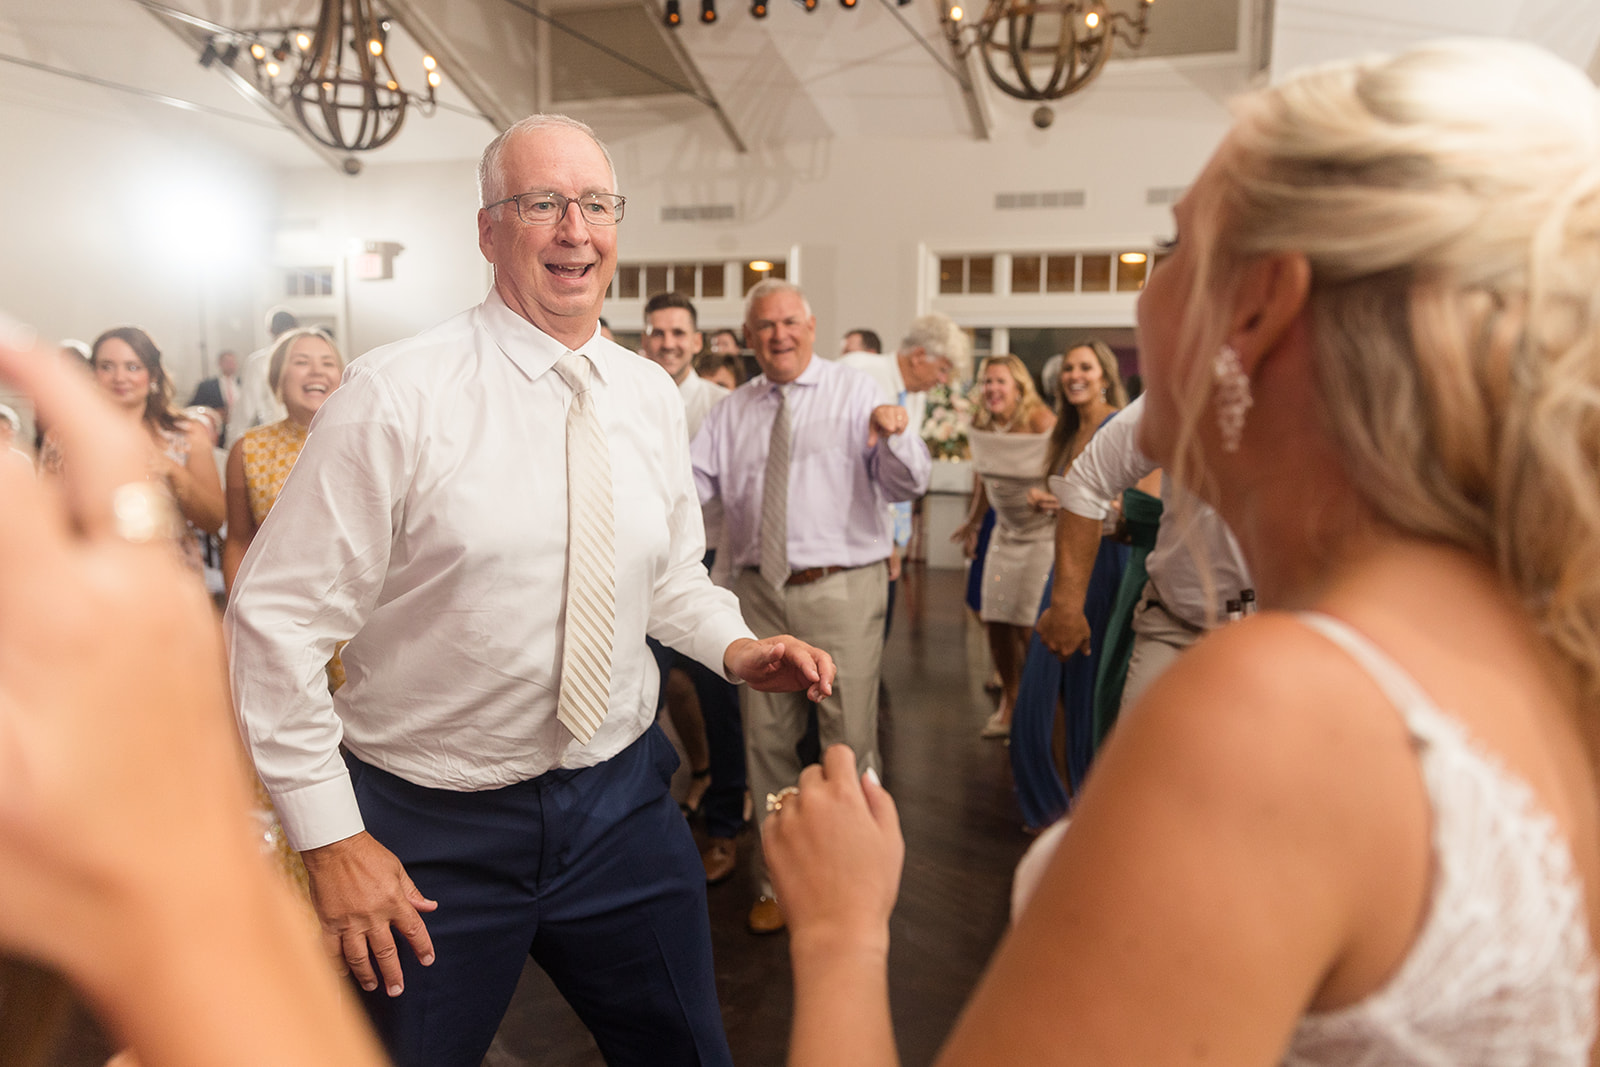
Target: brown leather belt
[[812, 574]]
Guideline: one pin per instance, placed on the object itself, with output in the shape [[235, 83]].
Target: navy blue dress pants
[[593, 872], [723, 803]]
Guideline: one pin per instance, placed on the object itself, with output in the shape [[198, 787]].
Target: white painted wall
[[429, 208], [106, 225]]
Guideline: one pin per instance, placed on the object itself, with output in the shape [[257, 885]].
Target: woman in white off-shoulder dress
[[1360, 827]]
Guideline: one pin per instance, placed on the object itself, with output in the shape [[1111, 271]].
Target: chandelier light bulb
[[434, 79], [429, 63], [375, 46], [1133, 259], [1092, 19], [272, 70], [956, 14], [258, 50], [760, 266], [302, 41]]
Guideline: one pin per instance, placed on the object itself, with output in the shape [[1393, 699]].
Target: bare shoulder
[[1250, 824]]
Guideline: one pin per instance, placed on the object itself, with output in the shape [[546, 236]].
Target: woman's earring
[[1232, 395]]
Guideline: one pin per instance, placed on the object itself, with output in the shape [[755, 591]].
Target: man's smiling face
[[556, 276]]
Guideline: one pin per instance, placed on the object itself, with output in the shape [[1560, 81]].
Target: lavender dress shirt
[[838, 487]]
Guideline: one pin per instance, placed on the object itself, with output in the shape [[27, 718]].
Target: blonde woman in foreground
[[127, 860], [1360, 827]]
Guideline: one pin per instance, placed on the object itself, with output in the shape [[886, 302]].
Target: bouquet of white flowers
[[949, 417]]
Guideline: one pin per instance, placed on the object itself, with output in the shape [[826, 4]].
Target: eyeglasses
[[548, 209]]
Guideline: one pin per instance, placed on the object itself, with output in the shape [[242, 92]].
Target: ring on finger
[[775, 800], [141, 513]]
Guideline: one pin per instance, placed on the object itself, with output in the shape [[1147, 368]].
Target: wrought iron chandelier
[[1066, 41], [335, 75]]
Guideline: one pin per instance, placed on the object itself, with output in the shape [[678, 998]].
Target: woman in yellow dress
[[304, 368]]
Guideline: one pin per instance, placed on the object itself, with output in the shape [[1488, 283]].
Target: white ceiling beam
[[427, 33]]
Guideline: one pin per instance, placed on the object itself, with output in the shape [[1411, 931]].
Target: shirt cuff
[[712, 638], [1082, 502], [319, 814]]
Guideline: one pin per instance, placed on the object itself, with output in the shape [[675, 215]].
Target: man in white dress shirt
[[1180, 601], [427, 522]]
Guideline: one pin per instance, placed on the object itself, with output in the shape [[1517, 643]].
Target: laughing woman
[[304, 368]]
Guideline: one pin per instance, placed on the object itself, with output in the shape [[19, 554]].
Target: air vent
[[1164, 194], [1055, 198], [699, 213]]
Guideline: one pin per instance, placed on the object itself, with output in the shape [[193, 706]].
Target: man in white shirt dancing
[[495, 513]]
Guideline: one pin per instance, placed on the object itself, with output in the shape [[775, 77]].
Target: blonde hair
[[1027, 396], [280, 355], [1448, 202]]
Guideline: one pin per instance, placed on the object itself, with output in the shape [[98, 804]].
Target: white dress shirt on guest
[[700, 395], [426, 521], [1189, 530]]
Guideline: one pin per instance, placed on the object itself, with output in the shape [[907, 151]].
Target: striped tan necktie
[[591, 560], [775, 499]]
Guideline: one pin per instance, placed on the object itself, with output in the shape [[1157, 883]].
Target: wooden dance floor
[[963, 836]]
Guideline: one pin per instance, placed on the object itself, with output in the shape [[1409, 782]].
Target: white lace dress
[[1502, 972]]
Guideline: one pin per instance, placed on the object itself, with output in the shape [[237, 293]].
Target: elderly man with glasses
[[495, 514]]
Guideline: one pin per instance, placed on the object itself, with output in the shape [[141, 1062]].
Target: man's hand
[[887, 420], [894, 563], [360, 890], [781, 664], [1063, 631]]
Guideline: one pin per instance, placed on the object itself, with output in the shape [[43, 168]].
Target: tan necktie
[[591, 560], [775, 499]]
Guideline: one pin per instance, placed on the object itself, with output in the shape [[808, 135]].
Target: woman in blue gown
[[1091, 391]]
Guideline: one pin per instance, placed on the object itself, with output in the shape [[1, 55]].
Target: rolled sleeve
[[1110, 464]]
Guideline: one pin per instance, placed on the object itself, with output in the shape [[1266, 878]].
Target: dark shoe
[[766, 917], [720, 858], [699, 785]]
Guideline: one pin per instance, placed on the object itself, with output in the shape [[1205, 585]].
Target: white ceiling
[[879, 70]]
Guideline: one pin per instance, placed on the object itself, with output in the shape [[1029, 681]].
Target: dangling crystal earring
[[1232, 395]]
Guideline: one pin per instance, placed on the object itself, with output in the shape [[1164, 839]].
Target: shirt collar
[[810, 376], [530, 348]]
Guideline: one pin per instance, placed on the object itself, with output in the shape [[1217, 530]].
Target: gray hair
[[491, 182], [941, 338], [772, 287]]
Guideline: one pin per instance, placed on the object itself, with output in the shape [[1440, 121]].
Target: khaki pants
[[1159, 637], [841, 614]]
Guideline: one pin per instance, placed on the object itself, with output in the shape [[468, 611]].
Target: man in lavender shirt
[[849, 457]]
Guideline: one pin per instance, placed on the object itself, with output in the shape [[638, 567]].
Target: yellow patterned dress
[[269, 453]]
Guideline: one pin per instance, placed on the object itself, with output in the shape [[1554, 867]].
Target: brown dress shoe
[[766, 917], [720, 858]]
